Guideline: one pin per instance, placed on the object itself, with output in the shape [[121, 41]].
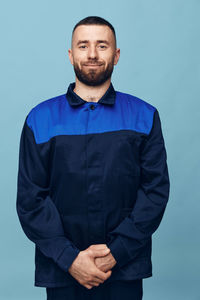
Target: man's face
[[93, 54]]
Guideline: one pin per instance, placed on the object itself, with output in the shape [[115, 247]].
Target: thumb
[[100, 252]]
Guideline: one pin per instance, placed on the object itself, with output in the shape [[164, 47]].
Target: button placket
[[94, 185]]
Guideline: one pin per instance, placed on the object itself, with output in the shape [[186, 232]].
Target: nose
[[92, 52]]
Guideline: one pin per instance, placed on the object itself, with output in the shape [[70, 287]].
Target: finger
[[88, 286], [98, 280], [102, 275], [108, 273], [99, 246], [94, 283]]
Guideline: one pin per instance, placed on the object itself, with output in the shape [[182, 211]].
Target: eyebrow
[[98, 41]]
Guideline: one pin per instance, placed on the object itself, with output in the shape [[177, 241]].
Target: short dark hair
[[95, 20]]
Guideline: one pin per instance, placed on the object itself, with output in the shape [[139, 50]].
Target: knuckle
[[89, 278], [92, 273], [90, 251]]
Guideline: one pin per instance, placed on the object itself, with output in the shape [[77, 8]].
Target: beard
[[93, 77]]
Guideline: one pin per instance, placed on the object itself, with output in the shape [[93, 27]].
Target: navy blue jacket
[[91, 173]]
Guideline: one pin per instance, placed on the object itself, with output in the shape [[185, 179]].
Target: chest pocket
[[127, 155]]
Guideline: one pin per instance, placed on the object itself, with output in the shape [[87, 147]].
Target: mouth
[[92, 65]]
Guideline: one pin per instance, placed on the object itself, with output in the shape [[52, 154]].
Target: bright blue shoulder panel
[[55, 117], [136, 114]]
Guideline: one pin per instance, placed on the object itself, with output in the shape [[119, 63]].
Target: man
[[93, 179]]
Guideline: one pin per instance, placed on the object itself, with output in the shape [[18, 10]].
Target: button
[[92, 106]]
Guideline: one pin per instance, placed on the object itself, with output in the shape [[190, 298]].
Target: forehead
[[93, 33]]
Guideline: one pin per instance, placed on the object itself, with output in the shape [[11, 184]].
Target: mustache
[[93, 64]]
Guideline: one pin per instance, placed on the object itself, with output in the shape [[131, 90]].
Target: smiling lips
[[92, 65]]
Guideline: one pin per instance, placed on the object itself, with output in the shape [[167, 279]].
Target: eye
[[102, 46], [82, 47]]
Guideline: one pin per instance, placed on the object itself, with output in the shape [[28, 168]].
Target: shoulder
[[41, 116], [42, 112], [141, 111], [137, 102]]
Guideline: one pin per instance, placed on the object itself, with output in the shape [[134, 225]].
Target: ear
[[117, 55], [71, 56]]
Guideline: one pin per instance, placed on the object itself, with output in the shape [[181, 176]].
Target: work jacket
[[91, 173]]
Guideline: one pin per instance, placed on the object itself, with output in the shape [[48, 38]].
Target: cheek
[[79, 57], [108, 58]]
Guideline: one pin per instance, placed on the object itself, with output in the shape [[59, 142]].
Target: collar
[[74, 99]]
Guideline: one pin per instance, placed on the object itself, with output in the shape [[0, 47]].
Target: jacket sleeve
[[133, 233], [39, 217]]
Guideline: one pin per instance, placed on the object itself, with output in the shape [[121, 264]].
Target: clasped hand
[[93, 265]]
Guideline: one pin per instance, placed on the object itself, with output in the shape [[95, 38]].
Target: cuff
[[67, 257], [119, 251]]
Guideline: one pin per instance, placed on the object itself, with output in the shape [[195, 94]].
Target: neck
[[91, 93]]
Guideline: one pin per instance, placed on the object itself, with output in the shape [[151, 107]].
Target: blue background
[[159, 62]]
